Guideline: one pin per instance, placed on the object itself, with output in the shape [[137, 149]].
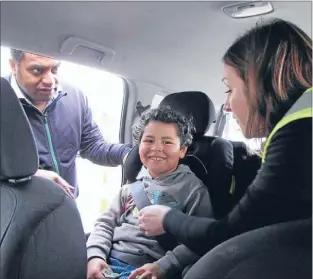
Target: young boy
[[117, 244]]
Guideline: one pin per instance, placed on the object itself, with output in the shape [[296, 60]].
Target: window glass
[[157, 99]]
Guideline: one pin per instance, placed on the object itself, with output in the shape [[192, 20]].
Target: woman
[[267, 72]]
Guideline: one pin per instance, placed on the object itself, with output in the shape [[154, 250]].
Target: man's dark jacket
[[65, 128]]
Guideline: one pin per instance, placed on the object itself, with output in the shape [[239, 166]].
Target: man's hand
[[148, 271], [51, 175], [94, 268]]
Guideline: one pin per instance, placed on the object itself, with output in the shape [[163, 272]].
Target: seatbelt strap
[[139, 195], [166, 241]]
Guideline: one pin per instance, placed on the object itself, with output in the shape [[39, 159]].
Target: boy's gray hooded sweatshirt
[[117, 234]]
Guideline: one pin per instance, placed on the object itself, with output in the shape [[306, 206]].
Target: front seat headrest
[[17, 162], [194, 103]]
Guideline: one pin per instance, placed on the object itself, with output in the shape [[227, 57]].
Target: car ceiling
[[175, 45]]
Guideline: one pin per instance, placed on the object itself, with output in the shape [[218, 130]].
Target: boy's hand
[[148, 271], [94, 268]]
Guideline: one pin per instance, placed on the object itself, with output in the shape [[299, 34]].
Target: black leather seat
[[245, 168], [41, 231], [281, 251]]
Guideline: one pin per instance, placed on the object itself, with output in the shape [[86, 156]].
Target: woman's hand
[[148, 271], [151, 219]]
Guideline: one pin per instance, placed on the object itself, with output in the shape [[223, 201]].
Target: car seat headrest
[[194, 103], [132, 165], [18, 151]]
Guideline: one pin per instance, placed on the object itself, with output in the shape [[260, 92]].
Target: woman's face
[[236, 101]]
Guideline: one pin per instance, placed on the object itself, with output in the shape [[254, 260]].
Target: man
[[61, 120]]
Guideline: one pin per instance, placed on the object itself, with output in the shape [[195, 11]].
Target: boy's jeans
[[121, 268]]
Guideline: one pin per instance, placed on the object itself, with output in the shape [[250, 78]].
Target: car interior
[[164, 53]]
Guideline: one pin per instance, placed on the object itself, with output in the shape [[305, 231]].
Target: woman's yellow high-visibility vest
[[302, 108]]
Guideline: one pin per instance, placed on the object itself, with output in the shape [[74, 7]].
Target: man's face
[[37, 76]]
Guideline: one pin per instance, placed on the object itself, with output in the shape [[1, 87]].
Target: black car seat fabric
[[278, 251], [242, 168], [245, 168], [41, 230], [195, 104]]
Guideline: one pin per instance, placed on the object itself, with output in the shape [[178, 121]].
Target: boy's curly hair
[[184, 124]]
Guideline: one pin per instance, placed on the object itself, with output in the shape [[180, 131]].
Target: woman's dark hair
[[185, 127], [274, 60]]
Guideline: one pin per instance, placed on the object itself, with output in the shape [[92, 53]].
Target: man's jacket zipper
[[47, 129], [55, 162]]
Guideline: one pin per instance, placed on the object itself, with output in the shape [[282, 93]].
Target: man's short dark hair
[[185, 127], [17, 55]]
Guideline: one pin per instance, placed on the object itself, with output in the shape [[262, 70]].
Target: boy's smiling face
[[160, 148]]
